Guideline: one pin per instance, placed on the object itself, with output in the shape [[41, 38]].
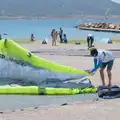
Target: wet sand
[[30, 101], [87, 110]]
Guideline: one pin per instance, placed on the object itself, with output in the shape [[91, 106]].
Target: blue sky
[[117, 1]]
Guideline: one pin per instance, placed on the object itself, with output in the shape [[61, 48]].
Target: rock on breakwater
[[100, 26]]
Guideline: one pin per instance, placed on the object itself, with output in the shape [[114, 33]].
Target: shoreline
[[70, 41]]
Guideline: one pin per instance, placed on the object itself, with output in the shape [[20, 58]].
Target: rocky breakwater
[[107, 27]]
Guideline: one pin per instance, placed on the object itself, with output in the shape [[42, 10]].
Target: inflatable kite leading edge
[[49, 70]]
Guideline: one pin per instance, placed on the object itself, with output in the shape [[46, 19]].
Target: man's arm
[[96, 64]]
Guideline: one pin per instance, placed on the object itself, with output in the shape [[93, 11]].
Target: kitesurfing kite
[[107, 13]]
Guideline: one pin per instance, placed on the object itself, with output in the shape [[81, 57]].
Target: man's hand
[[89, 71]]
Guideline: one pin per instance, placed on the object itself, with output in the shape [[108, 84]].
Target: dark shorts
[[108, 65]]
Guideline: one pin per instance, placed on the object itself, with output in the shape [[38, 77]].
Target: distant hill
[[57, 8]]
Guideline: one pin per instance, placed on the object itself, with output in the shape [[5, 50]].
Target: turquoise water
[[21, 29]]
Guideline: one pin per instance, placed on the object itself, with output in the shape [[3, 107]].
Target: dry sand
[[74, 56]]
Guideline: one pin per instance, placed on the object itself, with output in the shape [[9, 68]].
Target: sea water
[[41, 28]]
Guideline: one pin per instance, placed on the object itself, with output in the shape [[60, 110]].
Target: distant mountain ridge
[[57, 8]]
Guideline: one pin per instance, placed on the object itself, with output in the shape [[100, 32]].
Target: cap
[[89, 34]]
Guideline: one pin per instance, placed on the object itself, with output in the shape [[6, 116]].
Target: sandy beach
[[75, 56]]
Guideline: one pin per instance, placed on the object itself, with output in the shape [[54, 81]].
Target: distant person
[[65, 38], [61, 35], [90, 40], [5, 36], [0, 37], [32, 37], [53, 35], [56, 37], [102, 59], [110, 41]]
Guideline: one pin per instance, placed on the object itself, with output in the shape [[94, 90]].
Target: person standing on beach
[[5, 36], [61, 35], [102, 59], [90, 40], [53, 35], [56, 38], [32, 37], [65, 38]]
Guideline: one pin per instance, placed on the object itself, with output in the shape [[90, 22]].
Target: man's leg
[[61, 41], [109, 68], [53, 42], [109, 76], [88, 42], [102, 76], [92, 42]]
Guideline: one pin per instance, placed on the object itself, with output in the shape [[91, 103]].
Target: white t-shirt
[[105, 56]]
